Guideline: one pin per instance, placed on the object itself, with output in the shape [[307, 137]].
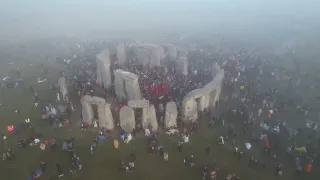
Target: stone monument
[[104, 113], [126, 85], [103, 69]]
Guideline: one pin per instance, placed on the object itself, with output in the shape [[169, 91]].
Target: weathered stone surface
[[189, 105], [153, 118], [63, 87], [105, 117], [133, 90], [171, 113], [204, 98], [94, 100], [171, 51], [182, 62], [104, 112], [127, 119], [214, 87], [103, 69], [162, 53], [121, 53], [215, 69], [127, 85], [138, 103], [144, 104], [149, 118], [148, 54], [87, 112], [119, 85]]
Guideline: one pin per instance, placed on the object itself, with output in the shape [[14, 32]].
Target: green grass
[[105, 163]]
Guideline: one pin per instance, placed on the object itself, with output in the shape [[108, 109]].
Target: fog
[[106, 18]]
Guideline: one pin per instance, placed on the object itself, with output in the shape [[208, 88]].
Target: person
[[4, 138], [59, 171], [161, 150], [131, 166], [240, 154], [213, 174], [299, 169], [150, 149], [84, 126], [192, 161], [186, 161], [236, 150], [205, 173], [4, 157], [28, 123], [43, 166], [10, 155], [308, 167], [279, 170], [92, 149], [220, 140], [73, 170], [79, 164], [166, 156]]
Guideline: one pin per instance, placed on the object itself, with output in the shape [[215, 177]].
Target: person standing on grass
[[4, 157], [92, 149], [73, 170], [279, 170], [166, 156], [59, 171], [43, 166], [79, 164], [28, 123], [4, 138], [186, 161]]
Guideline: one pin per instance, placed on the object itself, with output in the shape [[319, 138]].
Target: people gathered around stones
[[249, 116]]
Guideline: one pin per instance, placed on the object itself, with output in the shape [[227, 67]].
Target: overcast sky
[[124, 17]]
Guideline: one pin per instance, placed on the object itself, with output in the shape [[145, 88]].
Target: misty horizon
[[21, 19]]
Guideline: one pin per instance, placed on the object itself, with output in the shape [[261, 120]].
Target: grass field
[[105, 163]]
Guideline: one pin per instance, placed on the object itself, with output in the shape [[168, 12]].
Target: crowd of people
[[246, 110]]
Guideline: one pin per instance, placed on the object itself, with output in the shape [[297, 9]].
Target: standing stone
[[99, 73], [182, 62], [133, 90], [103, 70], [105, 117], [142, 54], [63, 87], [104, 113], [87, 112], [127, 119], [144, 104], [121, 54], [193, 102], [148, 54], [119, 85], [171, 51], [171, 113], [127, 85], [153, 118], [162, 53]]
